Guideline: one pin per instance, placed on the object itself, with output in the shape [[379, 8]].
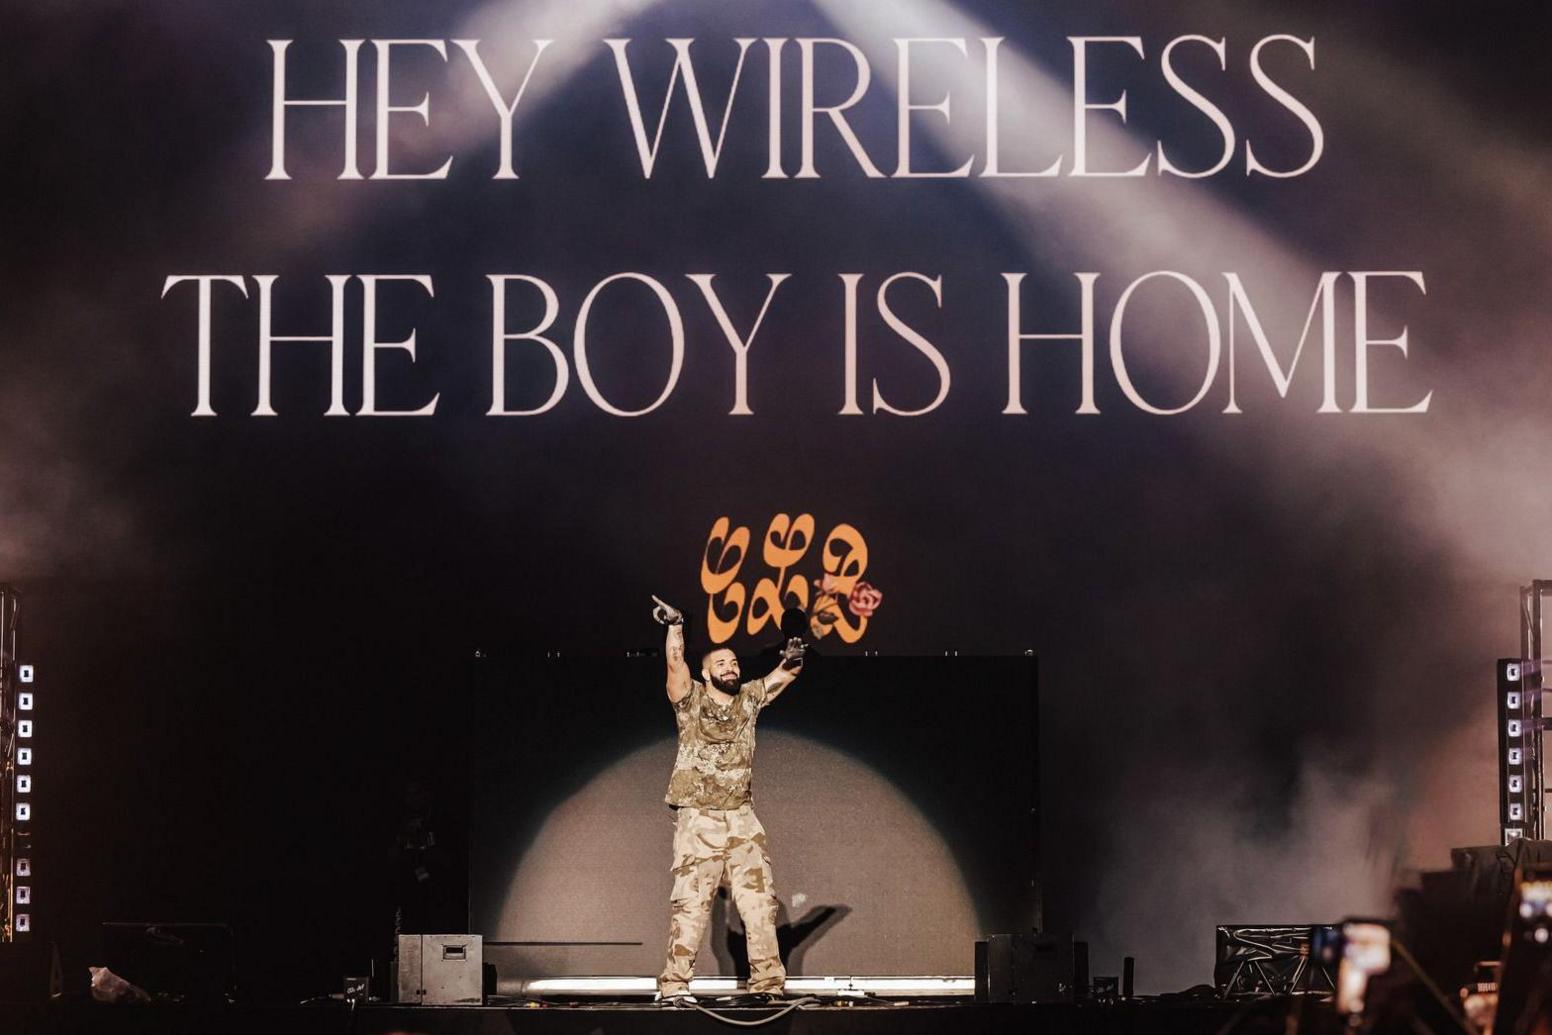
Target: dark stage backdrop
[[1266, 635], [898, 794]]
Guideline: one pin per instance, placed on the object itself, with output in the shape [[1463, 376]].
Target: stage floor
[[1133, 1017]]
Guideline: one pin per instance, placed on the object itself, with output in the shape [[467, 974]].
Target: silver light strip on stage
[[816, 986]]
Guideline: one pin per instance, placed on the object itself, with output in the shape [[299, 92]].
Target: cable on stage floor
[[788, 1008]]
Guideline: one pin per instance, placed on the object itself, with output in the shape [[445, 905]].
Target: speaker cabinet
[[441, 969], [1022, 968]]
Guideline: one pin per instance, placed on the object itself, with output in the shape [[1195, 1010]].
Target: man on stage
[[715, 828]]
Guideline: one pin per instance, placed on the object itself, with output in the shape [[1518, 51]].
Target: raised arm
[[786, 670], [678, 681]]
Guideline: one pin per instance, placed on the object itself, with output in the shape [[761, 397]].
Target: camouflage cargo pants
[[707, 841]]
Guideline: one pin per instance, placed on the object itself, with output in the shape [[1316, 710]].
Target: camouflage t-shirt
[[715, 765]]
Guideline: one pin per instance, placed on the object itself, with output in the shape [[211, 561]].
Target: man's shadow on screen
[[731, 946]]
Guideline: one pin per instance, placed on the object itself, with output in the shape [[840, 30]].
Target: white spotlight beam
[[461, 117], [1449, 488]]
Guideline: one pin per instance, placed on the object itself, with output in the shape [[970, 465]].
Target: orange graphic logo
[[834, 598]]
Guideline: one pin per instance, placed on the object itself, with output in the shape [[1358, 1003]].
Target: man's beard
[[727, 684]]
